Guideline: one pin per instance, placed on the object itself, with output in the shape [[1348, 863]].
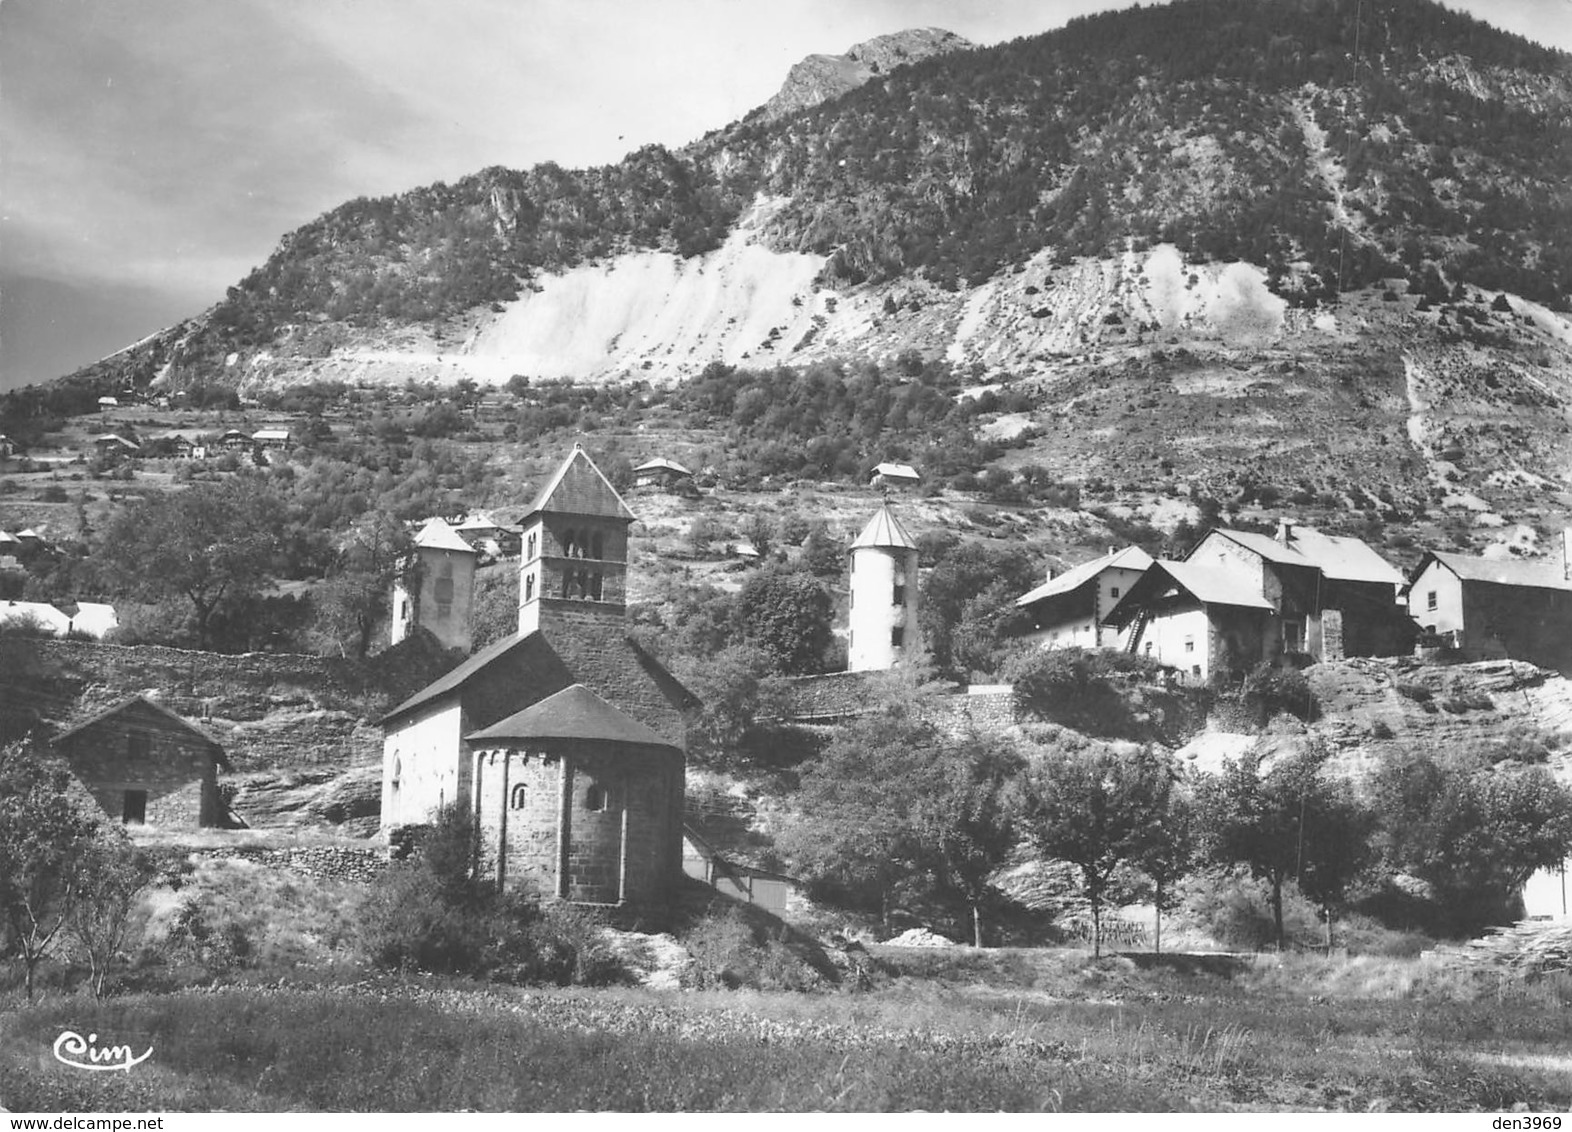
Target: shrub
[[728, 952], [1266, 692], [1081, 688]]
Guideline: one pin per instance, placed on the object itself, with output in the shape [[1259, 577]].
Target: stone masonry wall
[[630, 849], [328, 862], [266, 709]]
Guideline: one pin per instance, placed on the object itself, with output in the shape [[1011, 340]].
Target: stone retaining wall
[[325, 862]]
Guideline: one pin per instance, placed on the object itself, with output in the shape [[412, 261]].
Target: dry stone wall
[[267, 710], [324, 862]]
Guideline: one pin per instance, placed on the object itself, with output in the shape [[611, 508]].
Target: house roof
[[660, 463], [479, 521], [1542, 573], [115, 438], [270, 434], [142, 701], [578, 487], [546, 666], [573, 713], [884, 530], [1209, 585], [437, 535], [1339, 557], [896, 471], [1130, 558]]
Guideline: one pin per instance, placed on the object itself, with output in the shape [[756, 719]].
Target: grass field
[[973, 1031]]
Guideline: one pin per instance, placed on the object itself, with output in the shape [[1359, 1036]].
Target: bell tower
[[574, 561], [883, 624]]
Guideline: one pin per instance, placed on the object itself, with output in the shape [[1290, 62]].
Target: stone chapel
[[566, 739]]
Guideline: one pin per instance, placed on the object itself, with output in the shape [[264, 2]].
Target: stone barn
[[579, 801], [1488, 608], [143, 764]]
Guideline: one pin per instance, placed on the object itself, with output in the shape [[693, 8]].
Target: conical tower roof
[[884, 530], [573, 713]]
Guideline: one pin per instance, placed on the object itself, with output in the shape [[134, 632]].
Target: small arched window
[[598, 546], [569, 539], [597, 584], [529, 587], [531, 552], [596, 799], [567, 583], [518, 796]]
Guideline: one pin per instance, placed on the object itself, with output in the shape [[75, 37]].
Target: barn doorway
[[134, 809]]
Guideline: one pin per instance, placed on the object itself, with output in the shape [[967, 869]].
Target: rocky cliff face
[[819, 78]]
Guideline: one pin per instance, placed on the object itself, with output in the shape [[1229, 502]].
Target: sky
[[152, 152]]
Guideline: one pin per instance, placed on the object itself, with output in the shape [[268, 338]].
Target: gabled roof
[[884, 530], [1339, 557], [1209, 585], [660, 463], [896, 471], [270, 434], [450, 681], [437, 535], [1542, 573], [479, 521], [115, 438], [573, 713], [143, 702], [578, 487], [1130, 558], [540, 666]]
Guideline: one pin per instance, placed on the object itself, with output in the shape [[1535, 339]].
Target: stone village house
[[143, 764], [1239, 599], [601, 761], [1068, 611], [1489, 608]]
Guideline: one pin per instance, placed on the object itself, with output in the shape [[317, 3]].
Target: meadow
[[1017, 1030]]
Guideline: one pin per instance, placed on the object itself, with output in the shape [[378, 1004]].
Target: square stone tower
[[574, 564]]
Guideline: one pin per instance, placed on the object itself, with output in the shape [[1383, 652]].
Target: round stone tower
[[883, 624], [579, 801], [437, 589]]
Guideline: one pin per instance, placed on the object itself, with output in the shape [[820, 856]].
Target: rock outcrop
[[819, 78]]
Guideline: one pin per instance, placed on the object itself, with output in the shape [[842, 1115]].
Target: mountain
[[819, 78], [1294, 245]]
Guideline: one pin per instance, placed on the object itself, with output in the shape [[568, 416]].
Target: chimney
[[1285, 530], [1048, 574]]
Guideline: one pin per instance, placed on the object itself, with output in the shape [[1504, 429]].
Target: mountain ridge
[[1200, 234]]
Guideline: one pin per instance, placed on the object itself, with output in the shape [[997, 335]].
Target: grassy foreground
[[1009, 1033]]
